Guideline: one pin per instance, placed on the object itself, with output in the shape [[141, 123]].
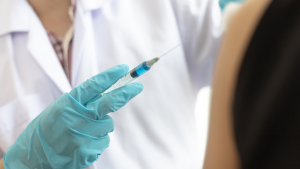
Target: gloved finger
[[82, 148], [95, 128], [88, 154], [77, 117], [98, 84], [114, 100]]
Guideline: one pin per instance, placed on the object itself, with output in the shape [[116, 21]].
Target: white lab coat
[[156, 130]]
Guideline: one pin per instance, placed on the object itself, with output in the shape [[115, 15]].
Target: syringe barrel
[[139, 70], [121, 82], [131, 75]]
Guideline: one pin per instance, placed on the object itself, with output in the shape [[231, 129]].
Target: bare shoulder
[[221, 148]]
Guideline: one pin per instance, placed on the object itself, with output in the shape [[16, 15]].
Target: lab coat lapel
[[79, 43], [41, 49], [84, 59]]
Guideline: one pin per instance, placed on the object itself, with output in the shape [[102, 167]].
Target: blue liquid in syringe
[[139, 70]]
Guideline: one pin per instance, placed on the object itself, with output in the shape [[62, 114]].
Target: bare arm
[[221, 148], [1, 164]]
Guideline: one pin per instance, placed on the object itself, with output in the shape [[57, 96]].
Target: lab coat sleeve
[[199, 23]]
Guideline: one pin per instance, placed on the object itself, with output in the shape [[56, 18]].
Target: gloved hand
[[73, 130]]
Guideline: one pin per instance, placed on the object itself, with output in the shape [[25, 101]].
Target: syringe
[[136, 72]]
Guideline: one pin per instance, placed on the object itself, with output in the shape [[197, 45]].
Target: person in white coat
[[157, 129]]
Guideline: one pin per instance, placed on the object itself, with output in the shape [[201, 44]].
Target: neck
[[53, 14]]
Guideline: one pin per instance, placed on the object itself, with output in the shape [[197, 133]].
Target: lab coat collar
[[18, 16], [88, 5], [14, 16]]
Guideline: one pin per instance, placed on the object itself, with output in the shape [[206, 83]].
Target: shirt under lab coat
[[156, 130]]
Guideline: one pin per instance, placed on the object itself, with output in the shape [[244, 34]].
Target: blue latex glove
[[73, 130]]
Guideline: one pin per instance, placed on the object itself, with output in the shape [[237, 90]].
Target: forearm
[[1, 164]]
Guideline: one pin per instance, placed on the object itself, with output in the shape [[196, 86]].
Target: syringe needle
[[170, 50], [137, 72]]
